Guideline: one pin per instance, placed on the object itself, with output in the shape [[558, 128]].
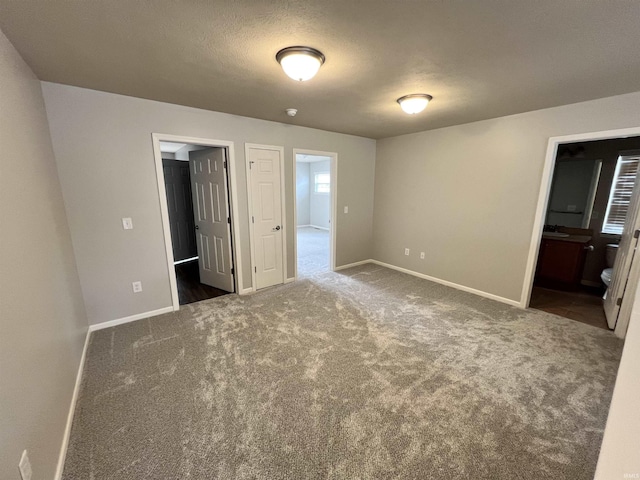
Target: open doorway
[[588, 213], [198, 219], [315, 212]]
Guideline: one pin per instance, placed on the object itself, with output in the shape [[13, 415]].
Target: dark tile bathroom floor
[[584, 305]]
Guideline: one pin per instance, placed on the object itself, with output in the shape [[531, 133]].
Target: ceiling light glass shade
[[416, 103], [300, 63]]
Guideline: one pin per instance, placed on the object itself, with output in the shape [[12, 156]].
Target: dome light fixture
[[414, 103], [300, 63]]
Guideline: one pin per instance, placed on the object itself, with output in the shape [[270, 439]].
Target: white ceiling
[[479, 59], [171, 147], [310, 158]]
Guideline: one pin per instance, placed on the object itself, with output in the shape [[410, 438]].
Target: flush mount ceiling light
[[414, 103], [300, 63]]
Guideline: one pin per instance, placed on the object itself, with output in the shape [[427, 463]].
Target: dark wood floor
[[584, 305], [190, 289]]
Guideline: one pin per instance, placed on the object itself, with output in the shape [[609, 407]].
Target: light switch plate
[[127, 223], [137, 287], [346, 209], [406, 251], [25, 466], [421, 255]]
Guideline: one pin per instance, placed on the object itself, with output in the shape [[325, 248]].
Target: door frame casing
[[164, 210], [543, 200], [333, 208], [283, 209]]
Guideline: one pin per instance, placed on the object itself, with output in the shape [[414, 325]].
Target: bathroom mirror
[[573, 191]]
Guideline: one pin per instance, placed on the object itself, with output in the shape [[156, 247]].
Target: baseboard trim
[[246, 291], [132, 318], [589, 283], [289, 280], [302, 226], [319, 228], [72, 408], [447, 283], [186, 260], [354, 264]]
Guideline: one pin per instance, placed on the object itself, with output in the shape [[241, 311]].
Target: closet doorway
[[197, 216]]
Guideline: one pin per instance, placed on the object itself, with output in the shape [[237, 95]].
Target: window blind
[[620, 197]]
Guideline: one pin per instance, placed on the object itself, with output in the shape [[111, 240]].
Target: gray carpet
[[363, 374], [313, 251]]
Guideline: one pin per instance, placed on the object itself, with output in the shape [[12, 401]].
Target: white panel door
[[212, 219], [622, 265], [266, 212]]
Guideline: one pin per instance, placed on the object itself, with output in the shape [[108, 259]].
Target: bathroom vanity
[[561, 259]]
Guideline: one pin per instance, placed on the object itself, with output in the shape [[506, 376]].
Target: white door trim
[[543, 198], [283, 207], [164, 211], [333, 172]]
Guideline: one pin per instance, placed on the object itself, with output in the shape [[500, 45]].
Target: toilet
[[610, 258]]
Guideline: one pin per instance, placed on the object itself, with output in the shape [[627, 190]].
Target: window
[[620, 196], [322, 182]]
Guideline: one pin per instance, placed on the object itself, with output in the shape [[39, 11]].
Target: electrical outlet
[[25, 466], [346, 209], [137, 287], [127, 223], [406, 251], [421, 255]]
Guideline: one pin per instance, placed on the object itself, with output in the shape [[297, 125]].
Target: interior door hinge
[[636, 234], [251, 164], [225, 164], [229, 220], [255, 269], [232, 271], [253, 220], [619, 301]]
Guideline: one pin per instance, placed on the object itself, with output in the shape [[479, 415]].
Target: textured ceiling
[[479, 59]]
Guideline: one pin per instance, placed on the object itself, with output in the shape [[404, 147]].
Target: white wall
[[466, 195], [101, 185], [43, 322], [302, 193], [620, 452], [319, 203]]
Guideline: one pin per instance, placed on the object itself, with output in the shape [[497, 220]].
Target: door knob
[[275, 229]]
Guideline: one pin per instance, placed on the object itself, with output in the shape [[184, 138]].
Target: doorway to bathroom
[[586, 247], [315, 180]]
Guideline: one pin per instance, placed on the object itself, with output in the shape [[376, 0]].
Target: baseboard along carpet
[[363, 374]]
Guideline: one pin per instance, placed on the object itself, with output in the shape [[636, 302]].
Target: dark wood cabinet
[[560, 263]]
